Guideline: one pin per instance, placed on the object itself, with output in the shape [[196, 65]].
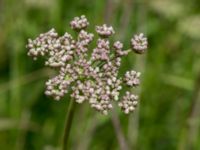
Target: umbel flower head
[[88, 74]]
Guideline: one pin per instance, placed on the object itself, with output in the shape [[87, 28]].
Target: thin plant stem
[[68, 123], [118, 130]]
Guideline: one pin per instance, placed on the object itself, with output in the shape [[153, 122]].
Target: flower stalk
[[68, 123]]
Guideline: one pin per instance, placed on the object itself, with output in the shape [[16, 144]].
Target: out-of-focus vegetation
[[168, 117]]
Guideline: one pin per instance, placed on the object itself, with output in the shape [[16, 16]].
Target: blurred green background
[[168, 117]]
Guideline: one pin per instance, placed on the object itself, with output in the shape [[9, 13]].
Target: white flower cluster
[[42, 44], [118, 46], [132, 78], [89, 76], [128, 102], [139, 43], [79, 23], [84, 39], [102, 51], [104, 30]]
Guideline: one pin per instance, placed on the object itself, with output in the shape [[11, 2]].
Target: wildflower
[[91, 78]]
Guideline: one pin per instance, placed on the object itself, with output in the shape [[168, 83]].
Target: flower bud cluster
[[79, 23], [118, 46], [102, 51], [104, 30], [139, 43], [42, 44], [62, 51], [83, 41], [128, 102], [91, 77], [131, 78]]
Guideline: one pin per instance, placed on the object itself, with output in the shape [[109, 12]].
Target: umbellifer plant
[[89, 74]]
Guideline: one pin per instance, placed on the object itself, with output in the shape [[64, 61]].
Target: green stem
[[68, 123]]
